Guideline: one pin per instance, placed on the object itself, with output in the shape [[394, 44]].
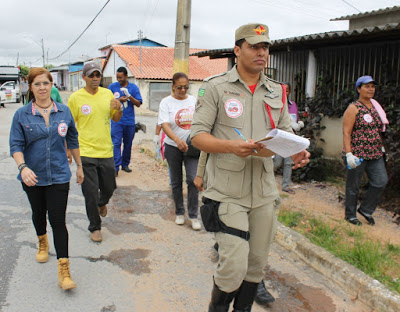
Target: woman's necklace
[[45, 109]]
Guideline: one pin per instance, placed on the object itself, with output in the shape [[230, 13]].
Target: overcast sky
[[24, 23]]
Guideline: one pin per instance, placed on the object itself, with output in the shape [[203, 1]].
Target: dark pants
[[175, 158], [52, 199], [377, 178], [97, 187], [122, 134]]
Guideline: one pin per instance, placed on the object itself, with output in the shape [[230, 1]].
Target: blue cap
[[364, 80]]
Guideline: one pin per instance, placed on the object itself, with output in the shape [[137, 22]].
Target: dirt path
[[165, 251], [322, 200]]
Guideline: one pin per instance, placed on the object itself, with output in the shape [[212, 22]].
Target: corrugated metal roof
[[318, 39], [158, 62], [370, 13]]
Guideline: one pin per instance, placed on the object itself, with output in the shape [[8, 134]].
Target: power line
[[351, 6], [81, 33]]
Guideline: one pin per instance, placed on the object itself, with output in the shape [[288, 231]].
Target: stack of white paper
[[284, 143]]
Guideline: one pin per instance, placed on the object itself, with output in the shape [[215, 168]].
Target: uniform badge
[[117, 95], [233, 108], [62, 129], [86, 109], [201, 92], [368, 118]]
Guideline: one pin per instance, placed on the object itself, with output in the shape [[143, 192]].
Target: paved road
[[145, 263]]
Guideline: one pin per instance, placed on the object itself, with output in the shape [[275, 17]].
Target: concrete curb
[[355, 282]]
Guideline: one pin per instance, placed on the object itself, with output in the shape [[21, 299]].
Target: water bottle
[[358, 162], [158, 151]]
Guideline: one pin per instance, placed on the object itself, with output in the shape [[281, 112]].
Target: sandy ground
[[319, 199], [322, 200]]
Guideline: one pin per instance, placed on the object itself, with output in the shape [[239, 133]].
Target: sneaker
[[367, 217], [354, 221], [126, 169], [289, 190], [195, 224], [103, 211], [179, 220], [96, 236]]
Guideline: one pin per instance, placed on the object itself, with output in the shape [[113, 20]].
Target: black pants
[[52, 199], [175, 159], [97, 187]]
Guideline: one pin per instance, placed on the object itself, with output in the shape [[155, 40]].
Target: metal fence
[[342, 65], [290, 67], [345, 64]]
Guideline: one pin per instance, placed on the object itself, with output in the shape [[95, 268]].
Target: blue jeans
[[122, 134], [287, 169], [175, 158], [377, 177]]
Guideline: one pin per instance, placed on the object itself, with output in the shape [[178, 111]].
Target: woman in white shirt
[[175, 116]]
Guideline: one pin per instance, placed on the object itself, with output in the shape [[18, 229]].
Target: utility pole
[[43, 53], [17, 58], [140, 35], [182, 37]]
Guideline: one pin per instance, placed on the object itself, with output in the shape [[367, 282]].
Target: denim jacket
[[44, 148]]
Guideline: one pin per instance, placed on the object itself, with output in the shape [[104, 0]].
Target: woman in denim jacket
[[40, 133]]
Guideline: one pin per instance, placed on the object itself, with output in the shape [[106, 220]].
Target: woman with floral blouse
[[363, 122]]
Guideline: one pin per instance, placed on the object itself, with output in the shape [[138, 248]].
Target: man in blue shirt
[[124, 130]]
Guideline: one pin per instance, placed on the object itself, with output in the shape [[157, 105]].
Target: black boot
[[220, 300], [263, 296], [245, 297]]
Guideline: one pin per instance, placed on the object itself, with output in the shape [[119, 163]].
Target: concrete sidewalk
[[355, 282]]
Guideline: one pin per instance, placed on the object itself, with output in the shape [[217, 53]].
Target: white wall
[[333, 137]]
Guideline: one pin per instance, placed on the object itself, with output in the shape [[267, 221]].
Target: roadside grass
[[380, 261]]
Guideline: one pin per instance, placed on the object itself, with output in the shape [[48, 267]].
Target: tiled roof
[[158, 62], [371, 13]]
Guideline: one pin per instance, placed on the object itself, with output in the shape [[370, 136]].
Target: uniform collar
[[233, 76]]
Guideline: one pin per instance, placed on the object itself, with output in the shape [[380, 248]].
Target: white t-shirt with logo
[[179, 113]]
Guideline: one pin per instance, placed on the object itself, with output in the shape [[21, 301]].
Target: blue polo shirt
[[44, 148], [128, 115]]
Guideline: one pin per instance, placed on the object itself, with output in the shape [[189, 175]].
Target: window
[[158, 91]]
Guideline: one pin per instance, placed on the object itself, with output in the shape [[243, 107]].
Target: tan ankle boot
[[64, 276], [43, 250]]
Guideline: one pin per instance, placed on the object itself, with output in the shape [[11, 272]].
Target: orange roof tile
[[158, 62]]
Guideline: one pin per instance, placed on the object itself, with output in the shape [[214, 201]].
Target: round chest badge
[[62, 129], [233, 108], [368, 118], [183, 118], [86, 109], [117, 95]]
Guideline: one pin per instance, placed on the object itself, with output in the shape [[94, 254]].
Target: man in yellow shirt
[[92, 108]]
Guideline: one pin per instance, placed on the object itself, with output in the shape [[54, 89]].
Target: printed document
[[283, 143]]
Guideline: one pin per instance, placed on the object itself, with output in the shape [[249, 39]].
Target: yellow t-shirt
[[92, 115]]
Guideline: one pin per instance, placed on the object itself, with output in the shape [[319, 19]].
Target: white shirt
[[179, 113]]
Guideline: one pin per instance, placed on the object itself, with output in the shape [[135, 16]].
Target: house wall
[[333, 137], [144, 87], [374, 20], [114, 62]]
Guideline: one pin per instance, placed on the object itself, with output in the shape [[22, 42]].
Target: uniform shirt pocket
[[267, 177], [230, 176], [232, 112], [275, 109]]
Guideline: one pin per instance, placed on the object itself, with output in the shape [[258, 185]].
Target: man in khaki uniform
[[243, 183]]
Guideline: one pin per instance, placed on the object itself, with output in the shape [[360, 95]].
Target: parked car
[[9, 92]]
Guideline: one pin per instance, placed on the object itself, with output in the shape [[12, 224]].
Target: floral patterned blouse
[[366, 142]]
